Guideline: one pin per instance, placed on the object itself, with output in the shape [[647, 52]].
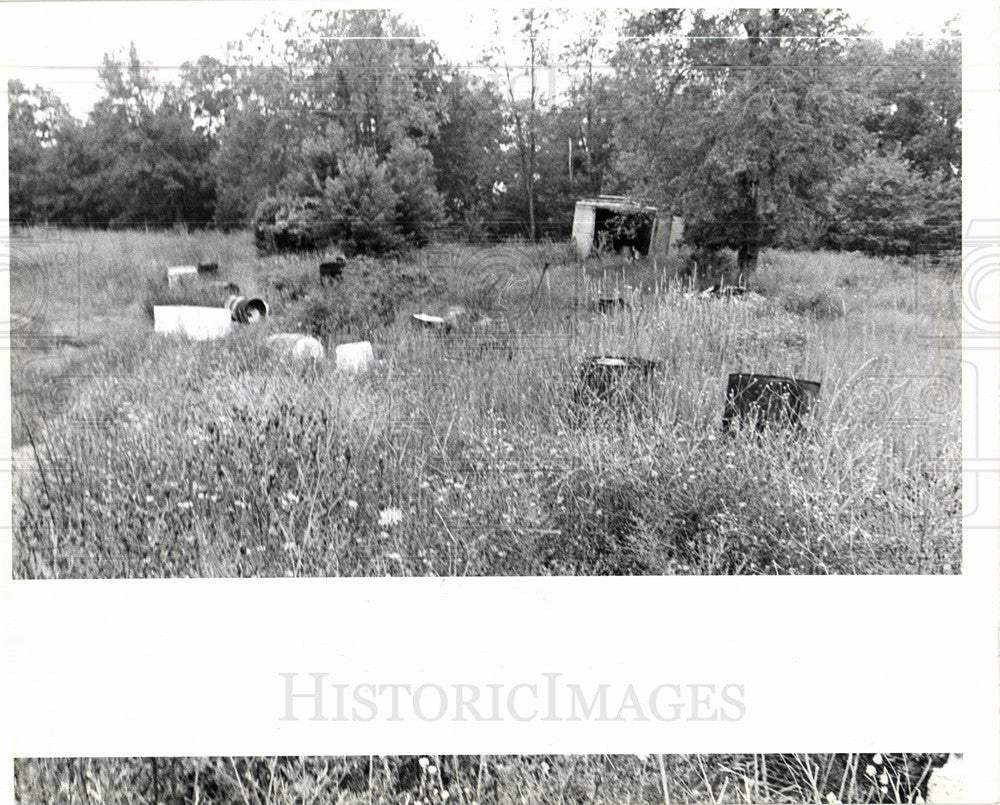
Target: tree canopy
[[760, 126]]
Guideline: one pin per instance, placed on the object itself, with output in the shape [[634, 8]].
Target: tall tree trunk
[[751, 228]]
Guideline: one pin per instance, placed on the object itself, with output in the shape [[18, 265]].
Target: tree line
[[762, 127]]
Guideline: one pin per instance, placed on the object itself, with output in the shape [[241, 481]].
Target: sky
[[59, 45]]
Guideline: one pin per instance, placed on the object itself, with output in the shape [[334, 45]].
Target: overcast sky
[[60, 44]]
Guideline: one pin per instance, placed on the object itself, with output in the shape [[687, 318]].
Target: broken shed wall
[[584, 221]]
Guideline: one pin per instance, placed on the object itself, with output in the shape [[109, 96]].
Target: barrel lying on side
[[246, 310], [764, 399], [296, 345]]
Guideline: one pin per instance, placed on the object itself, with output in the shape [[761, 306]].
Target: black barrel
[[610, 304], [764, 399], [331, 269], [619, 382], [210, 269]]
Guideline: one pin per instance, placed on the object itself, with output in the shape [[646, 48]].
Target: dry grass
[[678, 779], [152, 457]]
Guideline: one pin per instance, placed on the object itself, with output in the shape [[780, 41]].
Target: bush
[[292, 223], [882, 206]]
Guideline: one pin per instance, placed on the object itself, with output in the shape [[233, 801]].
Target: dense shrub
[[292, 223], [882, 206]]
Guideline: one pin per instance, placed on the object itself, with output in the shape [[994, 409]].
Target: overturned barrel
[[331, 269], [246, 310], [296, 345], [208, 268], [764, 399], [621, 382]]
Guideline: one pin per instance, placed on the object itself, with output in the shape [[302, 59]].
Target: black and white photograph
[[824, 779], [537, 292], [499, 405]]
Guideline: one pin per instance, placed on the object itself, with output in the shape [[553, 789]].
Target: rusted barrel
[[764, 399], [246, 310], [622, 382]]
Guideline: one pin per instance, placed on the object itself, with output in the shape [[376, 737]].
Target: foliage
[[743, 127], [882, 205], [292, 224], [750, 135]]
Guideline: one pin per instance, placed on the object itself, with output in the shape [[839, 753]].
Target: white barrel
[[296, 345], [355, 357], [190, 321], [177, 274]]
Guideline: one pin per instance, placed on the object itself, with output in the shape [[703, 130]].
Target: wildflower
[[185, 504], [291, 497], [149, 498], [877, 759], [870, 770], [352, 505], [883, 778], [289, 547], [394, 556], [431, 770], [390, 517], [424, 762], [832, 798]]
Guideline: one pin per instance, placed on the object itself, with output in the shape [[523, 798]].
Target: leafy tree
[[36, 122], [523, 110], [259, 144], [467, 151], [883, 205], [138, 159], [352, 119], [754, 127], [919, 92]]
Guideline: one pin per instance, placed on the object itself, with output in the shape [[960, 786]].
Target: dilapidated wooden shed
[[615, 223]]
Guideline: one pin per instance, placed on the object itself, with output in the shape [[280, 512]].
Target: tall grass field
[[824, 779], [471, 453]]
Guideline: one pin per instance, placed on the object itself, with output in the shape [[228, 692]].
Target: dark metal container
[[619, 382], [331, 269], [764, 399]]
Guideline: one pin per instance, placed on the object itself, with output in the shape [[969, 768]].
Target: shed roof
[[617, 203]]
